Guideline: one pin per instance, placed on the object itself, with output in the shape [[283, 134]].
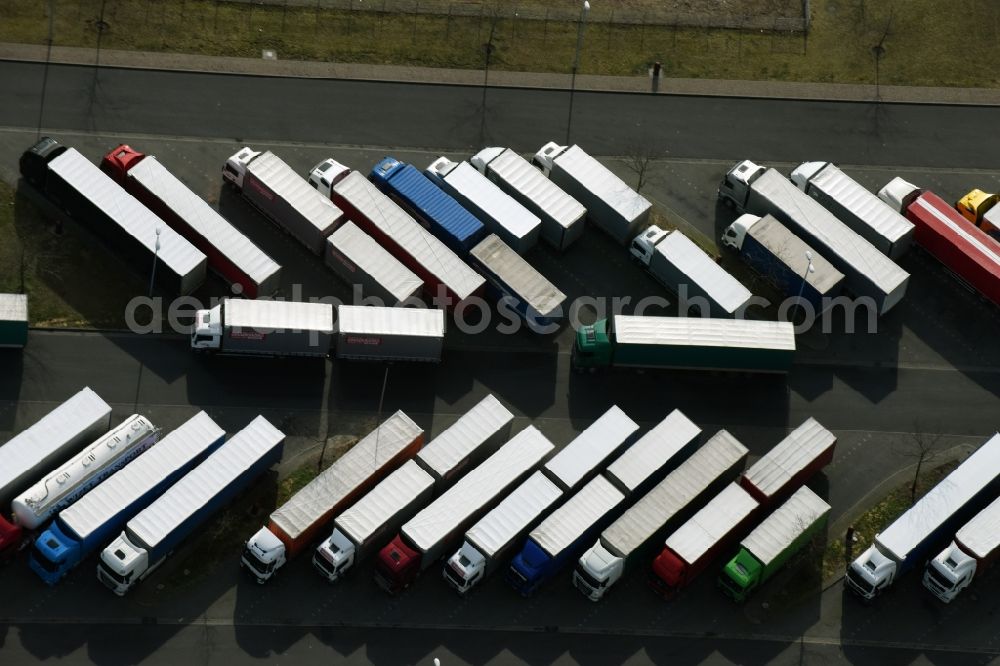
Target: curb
[[424, 76]]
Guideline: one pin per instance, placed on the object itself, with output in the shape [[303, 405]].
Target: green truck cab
[[741, 576], [593, 346]]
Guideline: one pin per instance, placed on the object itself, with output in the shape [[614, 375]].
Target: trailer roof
[[675, 492], [860, 201], [384, 501], [66, 423], [205, 481], [599, 180], [591, 447], [375, 320], [721, 515], [14, 307], [782, 527], [41, 500], [791, 250], [974, 242], [981, 535], [416, 241], [135, 219], [851, 248], [567, 523], [514, 514], [654, 450], [704, 332], [285, 182], [364, 251], [141, 475], [477, 489], [790, 456], [942, 501], [294, 316], [432, 201], [494, 202], [529, 181], [473, 429], [540, 294], [681, 252], [346, 474], [203, 219]]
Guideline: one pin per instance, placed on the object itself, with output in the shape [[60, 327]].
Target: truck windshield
[[939, 580], [855, 579], [114, 575], [590, 580], [42, 560], [454, 577], [729, 585], [251, 559]]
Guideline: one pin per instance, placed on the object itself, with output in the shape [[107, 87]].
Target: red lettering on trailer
[[363, 340], [342, 259], [240, 334], [260, 188]]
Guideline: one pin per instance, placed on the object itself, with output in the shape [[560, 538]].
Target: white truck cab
[[546, 157], [334, 556], [596, 571], [236, 166], [442, 166], [262, 555], [871, 573], [326, 174], [122, 565], [641, 249], [950, 572], [735, 233], [736, 185], [465, 568], [207, 333], [897, 193], [484, 157]]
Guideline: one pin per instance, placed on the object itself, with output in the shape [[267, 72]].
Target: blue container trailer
[[435, 209], [93, 521], [155, 532]]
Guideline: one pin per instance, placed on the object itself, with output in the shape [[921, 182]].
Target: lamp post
[[809, 269], [581, 24], [156, 254]]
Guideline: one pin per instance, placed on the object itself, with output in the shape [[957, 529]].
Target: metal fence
[[653, 14]]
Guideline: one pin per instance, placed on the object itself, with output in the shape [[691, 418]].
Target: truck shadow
[[950, 320], [649, 395], [202, 569], [11, 371], [956, 633]]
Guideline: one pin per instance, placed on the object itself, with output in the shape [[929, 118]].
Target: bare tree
[[638, 157], [923, 448], [878, 50]]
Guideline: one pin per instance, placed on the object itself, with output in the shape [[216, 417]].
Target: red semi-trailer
[[965, 250], [230, 254]]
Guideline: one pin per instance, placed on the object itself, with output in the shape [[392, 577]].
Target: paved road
[[444, 117], [537, 386], [211, 643]]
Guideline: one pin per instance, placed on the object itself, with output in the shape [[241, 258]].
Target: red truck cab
[[667, 575], [397, 566], [10, 538], [118, 162]]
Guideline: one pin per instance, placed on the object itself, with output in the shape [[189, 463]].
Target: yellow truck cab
[[980, 208]]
